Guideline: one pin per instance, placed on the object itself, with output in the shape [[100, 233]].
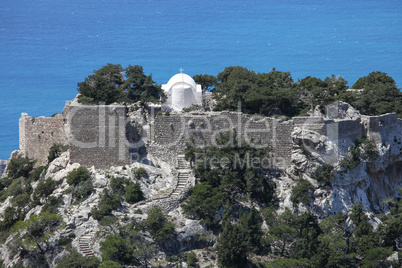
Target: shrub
[[133, 193], [140, 173], [193, 107], [77, 175], [110, 264], [191, 259], [158, 224], [107, 203], [117, 249], [21, 200], [204, 202], [324, 174], [370, 151], [20, 167], [82, 190], [44, 189], [76, 260], [37, 172], [56, 150], [301, 192], [52, 204]]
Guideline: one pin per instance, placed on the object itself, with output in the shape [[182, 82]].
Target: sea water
[[47, 46]]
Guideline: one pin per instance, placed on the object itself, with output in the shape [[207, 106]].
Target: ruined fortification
[[37, 135], [105, 136]]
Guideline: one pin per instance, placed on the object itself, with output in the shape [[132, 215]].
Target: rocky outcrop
[[369, 183], [3, 164]]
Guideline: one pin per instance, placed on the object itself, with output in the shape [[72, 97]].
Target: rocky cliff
[[364, 169], [3, 164]]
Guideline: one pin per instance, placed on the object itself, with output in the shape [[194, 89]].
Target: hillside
[[206, 208], [268, 172]]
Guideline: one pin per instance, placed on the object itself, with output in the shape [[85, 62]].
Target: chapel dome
[[180, 79]]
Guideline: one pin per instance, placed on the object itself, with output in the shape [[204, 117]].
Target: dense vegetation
[[275, 92], [234, 198], [112, 83], [272, 93], [291, 240]]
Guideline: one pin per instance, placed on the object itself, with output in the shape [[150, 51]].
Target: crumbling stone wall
[[174, 131], [99, 135], [37, 135], [102, 136]]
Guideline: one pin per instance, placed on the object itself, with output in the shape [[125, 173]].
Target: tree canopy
[[111, 83]]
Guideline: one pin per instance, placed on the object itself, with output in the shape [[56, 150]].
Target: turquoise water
[[46, 47]]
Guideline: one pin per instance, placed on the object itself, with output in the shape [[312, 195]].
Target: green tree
[[158, 224], [133, 193], [116, 248], [233, 84], [37, 231], [76, 260], [141, 87], [250, 225], [20, 167], [231, 249], [204, 202], [380, 95], [206, 81], [104, 86], [283, 231], [78, 175], [271, 94], [302, 192], [107, 203], [324, 174], [110, 264]]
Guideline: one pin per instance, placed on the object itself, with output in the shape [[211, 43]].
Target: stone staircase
[[183, 175], [85, 243]]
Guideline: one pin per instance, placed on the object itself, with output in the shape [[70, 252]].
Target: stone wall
[[98, 135], [103, 136], [174, 131], [37, 135]]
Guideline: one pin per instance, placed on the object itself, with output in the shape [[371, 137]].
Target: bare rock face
[[369, 183], [341, 110], [3, 164]]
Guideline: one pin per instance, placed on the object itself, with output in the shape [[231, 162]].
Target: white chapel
[[181, 92]]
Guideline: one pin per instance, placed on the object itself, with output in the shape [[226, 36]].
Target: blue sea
[[47, 46]]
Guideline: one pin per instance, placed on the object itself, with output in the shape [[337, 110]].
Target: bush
[[82, 190], [20, 167], [52, 204], [191, 259], [76, 260], [324, 174], [37, 172], [44, 189], [158, 224], [56, 150], [370, 151], [78, 175], [301, 192], [110, 264], [107, 203], [133, 193], [140, 173], [117, 249], [205, 202]]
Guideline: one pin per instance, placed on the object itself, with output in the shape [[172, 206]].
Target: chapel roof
[[181, 78]]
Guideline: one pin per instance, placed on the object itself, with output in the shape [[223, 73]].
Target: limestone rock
[[3, 164]]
